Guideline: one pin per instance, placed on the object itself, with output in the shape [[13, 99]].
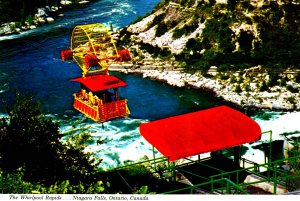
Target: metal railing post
[[155, 169], [227, 187], [275, 179]]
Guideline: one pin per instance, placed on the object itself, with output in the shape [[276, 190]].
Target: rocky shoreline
[[44, 15], [241, 89]]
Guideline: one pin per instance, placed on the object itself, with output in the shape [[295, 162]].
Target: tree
[[245, 41], [19, 10], [33, 142], [232, 4]]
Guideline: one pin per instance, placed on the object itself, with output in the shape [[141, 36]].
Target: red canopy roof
[[100, 82], [200, 132]]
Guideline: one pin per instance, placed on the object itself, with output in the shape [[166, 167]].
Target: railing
[[231, 188], [91, 111], [102, 112], [274, 174], [113, 110], [270, 173], [223, 182], [152, 162]]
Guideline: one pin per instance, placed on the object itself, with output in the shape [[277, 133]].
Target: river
[[30, 63]]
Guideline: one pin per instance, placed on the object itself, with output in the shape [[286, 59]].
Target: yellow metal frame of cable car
[[93, 39]]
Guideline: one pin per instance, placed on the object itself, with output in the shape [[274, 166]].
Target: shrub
[[297, 77], [232, 79], [14, 183], [237, 88], [246, 87], [161, 29], [165, 53], [179, 33], [263, 86], [33, 141], [30, 20], [158, 19], [292, 89], [224, 67]]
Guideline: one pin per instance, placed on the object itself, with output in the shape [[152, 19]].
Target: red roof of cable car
[[200, 132], [100, 82]]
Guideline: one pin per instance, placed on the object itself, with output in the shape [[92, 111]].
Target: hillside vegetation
[[231, 35], [20, 10]]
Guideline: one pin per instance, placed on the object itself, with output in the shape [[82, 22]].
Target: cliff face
[[248, 49], [229, 34]]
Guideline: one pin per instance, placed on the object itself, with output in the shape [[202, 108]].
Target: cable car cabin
[[99, 98]]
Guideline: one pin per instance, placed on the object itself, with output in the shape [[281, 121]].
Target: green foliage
[[194, 44], [231, 4], [263, 86], [282, 82], [137, 170], [216, 39], [30, 20], [124, 39], [232, 79], [18, 10], [238, 88], [279, 34], [158, 19], [14, 183], [156, 51], [165, 53], [161, 29], [273, 81], [278, 44], [225, 67], [179, 32], [33, 142], [245, 41], [142, 190], [209, 56], [292, 89], [297, 77], [186, 29], [203, 65], [246, 87]]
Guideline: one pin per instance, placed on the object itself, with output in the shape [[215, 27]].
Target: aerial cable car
[[93, 49]]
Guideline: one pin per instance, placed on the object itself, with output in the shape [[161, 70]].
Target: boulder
[[7, 28], [84, 2], [65, 3], [41, 12], [41, 20], [54, 8], [18, 30], [50, 19], [32, 27]]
